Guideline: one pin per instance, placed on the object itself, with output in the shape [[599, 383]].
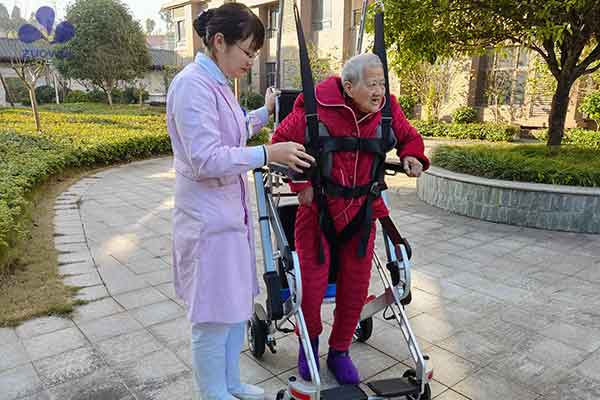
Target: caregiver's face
[[235, 60]]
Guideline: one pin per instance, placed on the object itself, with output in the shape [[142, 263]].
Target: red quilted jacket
[[341, 118]]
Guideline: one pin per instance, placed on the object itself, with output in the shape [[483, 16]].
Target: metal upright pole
[[278, 54], [361, 31]]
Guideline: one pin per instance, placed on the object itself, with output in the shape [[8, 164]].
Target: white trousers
[[216, 352]]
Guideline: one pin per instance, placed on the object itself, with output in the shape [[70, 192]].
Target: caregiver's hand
[[291, 154]]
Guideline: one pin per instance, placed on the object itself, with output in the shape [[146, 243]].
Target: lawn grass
[[37, 166]]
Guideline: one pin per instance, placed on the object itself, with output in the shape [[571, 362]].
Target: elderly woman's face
[[368, 93]]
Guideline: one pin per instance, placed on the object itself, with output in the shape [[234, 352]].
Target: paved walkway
[[504, 312]]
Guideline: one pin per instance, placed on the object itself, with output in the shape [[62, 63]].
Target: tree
[[150, 25], [28, 70], [108, 47], [322, 65], [4, 18], [565, 33]]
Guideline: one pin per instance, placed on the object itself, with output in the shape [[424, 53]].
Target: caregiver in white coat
[[213, 244]]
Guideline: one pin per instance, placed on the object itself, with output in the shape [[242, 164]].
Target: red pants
[[353, 279]]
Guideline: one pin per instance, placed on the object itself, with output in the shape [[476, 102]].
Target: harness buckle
[[375, 189]]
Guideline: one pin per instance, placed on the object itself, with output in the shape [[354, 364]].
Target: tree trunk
[[34, 108], [7, 91], [558, 112], [109, 95]]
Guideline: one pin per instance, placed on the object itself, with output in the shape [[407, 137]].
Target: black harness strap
[[320, 147]]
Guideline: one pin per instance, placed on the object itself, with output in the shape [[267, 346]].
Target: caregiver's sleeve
[[258, 119], [196, 118]]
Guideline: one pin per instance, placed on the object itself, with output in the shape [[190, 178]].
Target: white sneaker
[[245, 391]]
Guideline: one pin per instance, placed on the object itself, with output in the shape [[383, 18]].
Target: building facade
[[496, 83]]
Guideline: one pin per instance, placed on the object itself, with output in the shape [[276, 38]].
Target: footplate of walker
[[396, 387], [344, 392]]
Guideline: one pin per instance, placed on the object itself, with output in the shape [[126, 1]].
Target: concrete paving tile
[[153, 370], [68, 366], [19, 382], [159, 277], [39, 326], [96, 309], [128, 347], [92, 293], [487, 384], [12, 355], [172, 333], [83, 280], [101, 384], [590, 367], [159, 312], [53, 343], [581, 337], [8, 336], [107, 327], [574, 387], [139, 298]]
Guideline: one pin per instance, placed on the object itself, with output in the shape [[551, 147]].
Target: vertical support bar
[[361, 31], [278, 53], [263, 220]]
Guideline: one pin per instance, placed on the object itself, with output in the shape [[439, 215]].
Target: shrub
[[478, 131], [407, 103], [252, 101], [464, 115], [76, 96], [528, 163], [69, 140], [18, 90], [96, 96], [591, 106], [576, 136], [260, 138], [45, 94]]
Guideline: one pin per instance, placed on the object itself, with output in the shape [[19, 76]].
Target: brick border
[[554, 207]]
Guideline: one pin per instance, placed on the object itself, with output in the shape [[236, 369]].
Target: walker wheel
[[411, 374], [280, 394], [364, 330], [257, 336]]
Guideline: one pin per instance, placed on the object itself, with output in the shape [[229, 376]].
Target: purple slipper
[[340, 363]]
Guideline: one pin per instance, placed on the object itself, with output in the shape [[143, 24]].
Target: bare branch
[[551, 60], [593, 56], [591, 70]]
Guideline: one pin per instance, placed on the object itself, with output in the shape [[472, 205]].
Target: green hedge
[[478, 131], [577, 136], [527, 163], [69, 140]]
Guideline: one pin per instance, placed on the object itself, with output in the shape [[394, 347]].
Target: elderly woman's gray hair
[[354, 68]]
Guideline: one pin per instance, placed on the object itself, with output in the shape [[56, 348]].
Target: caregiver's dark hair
[[235, 21]]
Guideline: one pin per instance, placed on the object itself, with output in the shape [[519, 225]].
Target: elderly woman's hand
[[412, 166], [270, 96]]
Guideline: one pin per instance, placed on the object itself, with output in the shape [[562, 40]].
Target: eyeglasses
[[247, 53]]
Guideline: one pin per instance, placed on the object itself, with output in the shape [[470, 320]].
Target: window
[[272, 22], [505, 74], [271, 73], [321, 14], [180, 32], [356, 14]]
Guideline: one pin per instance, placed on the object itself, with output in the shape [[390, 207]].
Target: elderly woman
[[347, 106]]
